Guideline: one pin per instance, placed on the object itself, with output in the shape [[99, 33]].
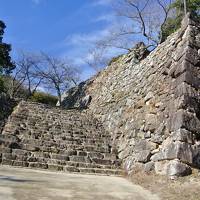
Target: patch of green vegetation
[[45, 98], [171, 26], [114, 59], [2, 85], [174, 23], [6, 64]]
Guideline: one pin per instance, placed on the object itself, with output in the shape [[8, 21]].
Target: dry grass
[[185, 188]]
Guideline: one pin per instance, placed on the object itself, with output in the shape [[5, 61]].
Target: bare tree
[[58, 75], [25, 75], [96, 58], [136, 21], [142, 20]]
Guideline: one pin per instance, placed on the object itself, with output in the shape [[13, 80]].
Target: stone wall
[[152, 107], [41, 136]]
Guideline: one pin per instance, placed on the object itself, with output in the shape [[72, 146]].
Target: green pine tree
[[6, 64], [173, 23]]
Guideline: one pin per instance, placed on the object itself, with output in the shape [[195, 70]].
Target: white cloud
[[37, 2], [79, 61], [86, 39], [106, 17], [111, 52], [41, 89], [102, 2], [80, 44]]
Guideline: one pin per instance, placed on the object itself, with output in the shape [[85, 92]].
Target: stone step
[[101, 171], [66, 123], [47, 116], [64, 152], [55, 148], [39, 136], [91, 165], [63, 144], [79, 168], [68, 134], [100, 148], [63, 159], [65, 140], [60, 145], [77, 164]]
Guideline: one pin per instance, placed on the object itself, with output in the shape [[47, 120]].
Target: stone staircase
[[38, 136]]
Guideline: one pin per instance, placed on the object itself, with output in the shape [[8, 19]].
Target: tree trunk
[[59, 96]]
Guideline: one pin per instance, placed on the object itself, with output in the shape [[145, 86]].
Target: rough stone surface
[[143, 156], [172, 168], [150, 166], [153, 103]]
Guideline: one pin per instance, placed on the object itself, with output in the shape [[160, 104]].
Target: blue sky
[[59, 27]]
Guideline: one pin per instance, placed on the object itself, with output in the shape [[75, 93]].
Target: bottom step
[[113, 172], [66, 168]]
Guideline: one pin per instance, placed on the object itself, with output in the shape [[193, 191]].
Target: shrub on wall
[[114, 59]]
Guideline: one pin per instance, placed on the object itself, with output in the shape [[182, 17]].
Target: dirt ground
[[29, 184], [183, 188]]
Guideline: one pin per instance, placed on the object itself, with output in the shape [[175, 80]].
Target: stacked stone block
[[181, 150], [39, 136]]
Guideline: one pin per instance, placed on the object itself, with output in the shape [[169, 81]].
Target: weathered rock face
[[152, 107], [76, 97], [50, 138]]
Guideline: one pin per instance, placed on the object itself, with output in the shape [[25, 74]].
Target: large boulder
[[172, 168]]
